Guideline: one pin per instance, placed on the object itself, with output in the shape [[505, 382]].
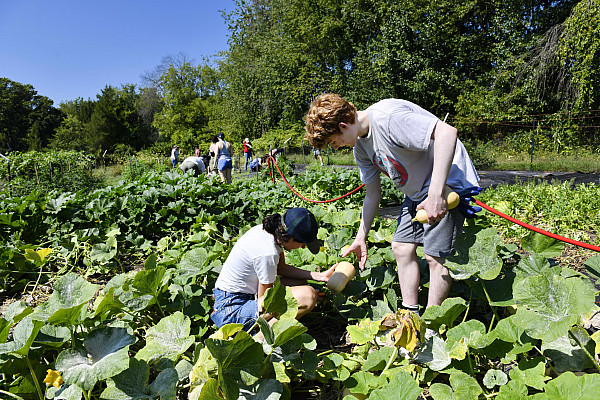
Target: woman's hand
[[325, 275]]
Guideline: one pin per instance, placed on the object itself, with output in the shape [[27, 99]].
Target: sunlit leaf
[[105, 355], [167, 340]]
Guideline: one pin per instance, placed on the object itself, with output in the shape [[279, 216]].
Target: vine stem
[[587, 353], [14, 396], [391, 360], [487, 296], [35, 379]]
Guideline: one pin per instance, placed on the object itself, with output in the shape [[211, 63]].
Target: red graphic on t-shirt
[[383, 162]]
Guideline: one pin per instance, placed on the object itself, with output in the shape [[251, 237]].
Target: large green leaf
[[550, 305], [362, 382], [542, 245], [67, 304], [568, 356], [105, 355], [471, 333], [285, 330], [364, 332], [593, 265], [401, 387], [24, 334], [378, 359], [568, 386], [279, 300], [65, 392], [167, 340], [149, 281], [264, 389], [481, 259], [240, 357], [434, 354], [132, 383], [193, 263], [445, 314], [530, 372], [464, 387]]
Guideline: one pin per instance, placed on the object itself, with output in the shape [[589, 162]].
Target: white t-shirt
[[196, 160], [253, 259], [399, 145]]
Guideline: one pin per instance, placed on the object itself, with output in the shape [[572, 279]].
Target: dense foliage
[[129, 271], [501, 71]]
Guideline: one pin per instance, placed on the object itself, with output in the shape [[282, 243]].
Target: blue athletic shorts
[[224, 163], [234, 308]]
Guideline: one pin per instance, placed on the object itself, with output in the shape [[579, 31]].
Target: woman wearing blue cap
[[257, 258]]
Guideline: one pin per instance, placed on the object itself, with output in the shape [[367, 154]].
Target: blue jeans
[[174, 161], [247, 158], [234, 308]]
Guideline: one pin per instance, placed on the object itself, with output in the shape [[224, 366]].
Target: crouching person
[[257, 258]]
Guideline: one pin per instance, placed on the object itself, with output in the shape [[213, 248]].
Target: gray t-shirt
[[399, 145], [253, 259]]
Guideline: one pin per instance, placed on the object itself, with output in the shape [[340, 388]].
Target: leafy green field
[[118, 286]]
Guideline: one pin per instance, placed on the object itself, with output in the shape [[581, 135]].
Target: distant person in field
[[174, 156], [223, 158], [421, 155], [257, 258], [317, 154], [193, 163], [197, 151], [247, 153]]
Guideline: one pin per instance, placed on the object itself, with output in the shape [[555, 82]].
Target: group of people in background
[[220, 158]]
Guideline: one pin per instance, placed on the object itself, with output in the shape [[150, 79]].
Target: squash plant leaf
[[65, 392], [285, 330], [593, 265], [23, 336], [568, 386], [377, 359], [481, 259], [550, 305], [542, 245], [568, 356], [362, 382], [401, 387], [339, 239], [149, 282], [67, 304], [434, 354], [533, 265], [280, 301], [471, 332], [445, 314], [494, 377], [167, 340], [364, 332], [265, 389], [192, 264], [133, 383], [530, 372], [105, 355], [238, 359], [464, 387]]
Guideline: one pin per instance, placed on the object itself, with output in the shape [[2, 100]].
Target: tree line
[[495, 68]]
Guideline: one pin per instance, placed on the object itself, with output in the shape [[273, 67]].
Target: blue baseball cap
[[221, 135], [301, 224]]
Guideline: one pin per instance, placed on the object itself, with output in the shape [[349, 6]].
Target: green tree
[[185, 91], [27, 120]]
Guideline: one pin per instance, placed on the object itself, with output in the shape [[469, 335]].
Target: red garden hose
[[538, 230], [479, 203]]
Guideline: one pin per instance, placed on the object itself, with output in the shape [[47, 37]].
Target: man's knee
[[403, 252]]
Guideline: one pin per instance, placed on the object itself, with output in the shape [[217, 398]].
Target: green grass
[[583, 161]]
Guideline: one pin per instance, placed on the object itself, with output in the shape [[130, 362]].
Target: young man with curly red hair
[[421, 154]]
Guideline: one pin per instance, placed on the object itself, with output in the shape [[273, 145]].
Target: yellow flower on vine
[[53, 378]]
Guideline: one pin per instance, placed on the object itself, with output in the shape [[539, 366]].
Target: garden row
[[131, 268]]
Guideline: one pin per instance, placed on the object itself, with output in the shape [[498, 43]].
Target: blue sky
[[73, 48]]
